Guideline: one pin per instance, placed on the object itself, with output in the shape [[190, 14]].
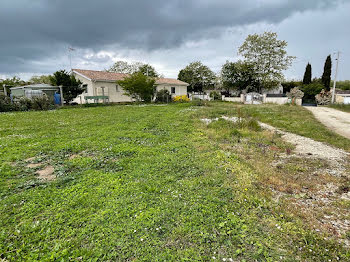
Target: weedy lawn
[[341, 107], [150, 183]]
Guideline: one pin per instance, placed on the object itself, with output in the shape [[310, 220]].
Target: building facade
[[101, 83]]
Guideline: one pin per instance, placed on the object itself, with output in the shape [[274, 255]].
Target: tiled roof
[[108, 76]]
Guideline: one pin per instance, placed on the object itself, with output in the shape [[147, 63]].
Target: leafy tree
[[288, 85], [148, 70], [343, 85], [124, 67], [11, 82], [327, 71], [307, 75], [239, 76], [70, 85], [43, 79], [268, 57], [198, 76], [229, 76], [138, 86]]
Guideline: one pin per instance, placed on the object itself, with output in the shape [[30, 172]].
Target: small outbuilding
[[30, 91], [342, 96]]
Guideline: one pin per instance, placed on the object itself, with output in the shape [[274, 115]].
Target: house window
[[85, 87], [116, 88], [173, 90]]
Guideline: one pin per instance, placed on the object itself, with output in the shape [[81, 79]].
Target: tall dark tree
[[327, 72], [307, 75], [70, 85]]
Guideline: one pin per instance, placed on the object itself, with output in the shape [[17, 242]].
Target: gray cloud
[[41, 30]]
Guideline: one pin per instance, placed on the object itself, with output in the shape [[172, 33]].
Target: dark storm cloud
[[34, 30]]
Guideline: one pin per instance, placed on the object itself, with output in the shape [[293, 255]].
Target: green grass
[[147, 183], [342, 107]]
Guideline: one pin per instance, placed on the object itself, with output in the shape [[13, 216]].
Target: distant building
[[342, 96], [34, 90], [99, 83]]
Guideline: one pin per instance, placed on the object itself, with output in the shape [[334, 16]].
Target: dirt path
[[304, 146], [335, 120], [308, 147]]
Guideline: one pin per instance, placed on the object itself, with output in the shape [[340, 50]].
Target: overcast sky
[[35, 34]]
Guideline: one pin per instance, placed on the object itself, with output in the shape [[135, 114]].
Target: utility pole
[[5, 90], [62, 98], [335, 78]]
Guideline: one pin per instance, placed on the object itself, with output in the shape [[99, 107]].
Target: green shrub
[[24, 104], [5, 104], [163, 96], [215, 95], [344, 85], [252, 124], [41, 103], [199, 102]]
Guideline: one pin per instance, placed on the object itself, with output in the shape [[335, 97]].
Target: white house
[[342, 96], [99, 83]]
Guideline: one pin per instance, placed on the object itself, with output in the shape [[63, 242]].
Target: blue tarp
[[57, 98]]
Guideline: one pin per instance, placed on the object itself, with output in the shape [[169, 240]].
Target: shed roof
[[104, 76], [35, 86]]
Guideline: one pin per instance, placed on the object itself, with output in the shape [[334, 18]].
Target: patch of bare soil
[[47, 173], [30, 159]]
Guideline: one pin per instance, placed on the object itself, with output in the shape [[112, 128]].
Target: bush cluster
[[181, 99], [163, 96], [25, 104], [199, 102], [311, 90], [215, 95]]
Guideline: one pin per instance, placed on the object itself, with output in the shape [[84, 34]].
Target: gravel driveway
[[335, 120]]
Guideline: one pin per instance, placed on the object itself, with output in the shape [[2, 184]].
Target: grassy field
[[152, 183], [345, 108]]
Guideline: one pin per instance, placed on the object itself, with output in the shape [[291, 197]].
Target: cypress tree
[[327, 71], [307, 75]]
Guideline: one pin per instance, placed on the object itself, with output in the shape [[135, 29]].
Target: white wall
[[280, 100], [117, 94], [179, 90], [110, 88], [232, 99]]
